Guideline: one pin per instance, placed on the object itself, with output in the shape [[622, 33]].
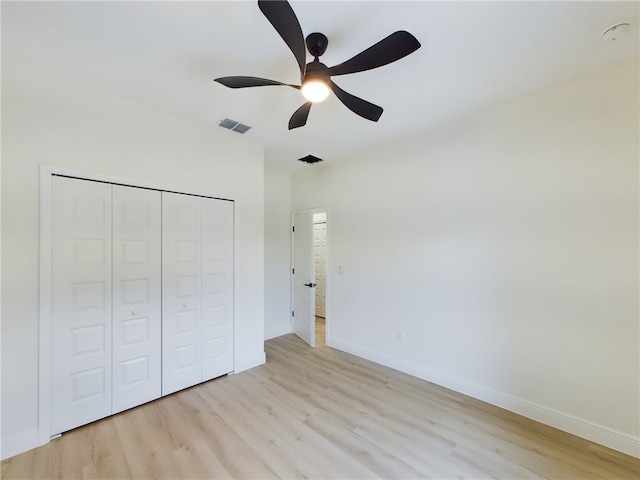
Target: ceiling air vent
[[310, 159], [233, 125]]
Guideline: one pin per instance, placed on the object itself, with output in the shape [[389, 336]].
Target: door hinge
[[293, 271], [293, 314], [293, 229]]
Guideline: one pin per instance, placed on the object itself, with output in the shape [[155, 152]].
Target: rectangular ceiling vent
[[234, 126], [310, 159]]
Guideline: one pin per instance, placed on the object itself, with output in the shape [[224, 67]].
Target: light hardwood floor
[[318, 413], [321, 331]]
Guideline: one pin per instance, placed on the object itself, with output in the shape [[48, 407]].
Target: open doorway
[[320, 261], [309, 276]]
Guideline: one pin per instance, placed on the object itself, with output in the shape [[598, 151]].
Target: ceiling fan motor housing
[[317, 44], [316, 70]]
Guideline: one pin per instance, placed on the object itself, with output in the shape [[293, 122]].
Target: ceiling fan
[[315, 76]]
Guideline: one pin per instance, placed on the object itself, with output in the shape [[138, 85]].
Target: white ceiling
[[165, 55]]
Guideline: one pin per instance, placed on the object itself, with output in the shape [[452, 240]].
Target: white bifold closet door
[[137, 304], [81, 303], [181, 292], [217, 287], [142, 296], [197, 290], [106, 307]]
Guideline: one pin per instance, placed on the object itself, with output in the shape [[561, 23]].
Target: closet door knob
[[133, 312], [184, 305]]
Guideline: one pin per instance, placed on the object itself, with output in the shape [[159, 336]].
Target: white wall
[[504, 247], [277, 256], [47, 120]]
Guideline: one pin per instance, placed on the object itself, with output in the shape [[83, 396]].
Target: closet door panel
[[181, 292], [217, 296], [81, 303], [136, 297]]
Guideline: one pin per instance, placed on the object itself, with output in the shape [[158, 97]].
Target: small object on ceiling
[[613, 33], [316, 83], [310, 159], [233, 125]]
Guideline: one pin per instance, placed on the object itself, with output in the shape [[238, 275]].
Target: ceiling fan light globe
[[315, 90]]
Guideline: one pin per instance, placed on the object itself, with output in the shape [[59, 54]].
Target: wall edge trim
[[246, 363]]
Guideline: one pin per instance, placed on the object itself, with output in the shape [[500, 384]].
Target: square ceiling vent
[[310, 159], [234, 126]]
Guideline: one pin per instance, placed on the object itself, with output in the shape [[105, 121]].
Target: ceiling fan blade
[[394, 47], [299, 117], [284, 20], [357, 105], [242, 82]]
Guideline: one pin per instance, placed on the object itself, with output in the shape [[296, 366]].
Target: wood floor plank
[[268, 389], [318, 413], [249, 430], [233, 458], [376, 459], [302, 448]]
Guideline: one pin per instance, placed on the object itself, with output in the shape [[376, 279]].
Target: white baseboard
[[19, 444], [600, 434], [246, 363]]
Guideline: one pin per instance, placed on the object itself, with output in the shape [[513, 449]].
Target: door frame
[[328, 269], [45, 271]]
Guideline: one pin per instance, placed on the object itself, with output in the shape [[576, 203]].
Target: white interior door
[[303, 278], [136, 296], [181, 292], [217, 288], [81, 303], [320, 261]]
